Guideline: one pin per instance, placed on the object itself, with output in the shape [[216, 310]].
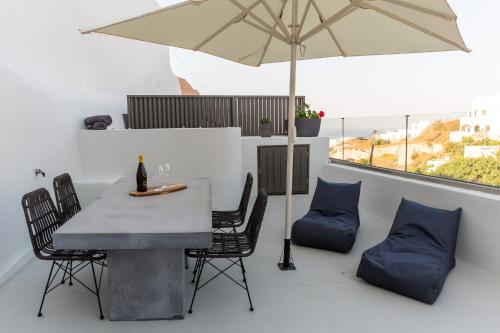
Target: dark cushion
[[418, 254], [333, 198], [100, 125], [433, 226], [327, 232], [333, 220], [89, 121]]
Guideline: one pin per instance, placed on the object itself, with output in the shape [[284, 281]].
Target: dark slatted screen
[[209, 111], [271, 162]]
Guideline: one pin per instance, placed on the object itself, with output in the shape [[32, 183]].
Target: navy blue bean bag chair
[[333, 220], [418, 254]]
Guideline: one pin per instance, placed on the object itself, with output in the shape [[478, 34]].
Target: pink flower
[[321, 114]]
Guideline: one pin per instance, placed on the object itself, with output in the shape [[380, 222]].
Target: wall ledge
[[16, 266]]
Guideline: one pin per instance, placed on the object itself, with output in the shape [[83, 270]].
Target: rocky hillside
[[186, 88], [431, 144]]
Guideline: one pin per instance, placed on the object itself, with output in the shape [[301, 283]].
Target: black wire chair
[[222, 220], [67, 201], [231, 246], [42, 220], [236, 218], [68, 206]]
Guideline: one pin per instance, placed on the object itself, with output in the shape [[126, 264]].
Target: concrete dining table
[[145, 238]]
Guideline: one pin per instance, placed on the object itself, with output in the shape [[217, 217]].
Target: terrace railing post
[[372, 150], [343, 139], [406, 143]]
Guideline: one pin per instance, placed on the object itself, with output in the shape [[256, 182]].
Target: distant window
[[483, 112], [477, 129], [475, 113], [488, 128]]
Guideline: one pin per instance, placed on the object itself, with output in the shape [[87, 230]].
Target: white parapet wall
[[381, 194], [213, 153], [220, 154]]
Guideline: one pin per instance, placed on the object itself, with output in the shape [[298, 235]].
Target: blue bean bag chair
[[333, 220], [418, 254]]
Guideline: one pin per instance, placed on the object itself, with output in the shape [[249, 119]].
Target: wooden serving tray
[[166, 189]]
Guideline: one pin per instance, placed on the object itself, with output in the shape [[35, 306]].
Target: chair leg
[[200, 270], [196, 267], [246, 284], [97, 290], [71, 272], [243, 270], [46, 288], [64, 273]]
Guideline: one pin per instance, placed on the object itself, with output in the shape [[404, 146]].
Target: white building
[[483, 121], [433, 165], [480, 151], [414, 130], [393, 135]]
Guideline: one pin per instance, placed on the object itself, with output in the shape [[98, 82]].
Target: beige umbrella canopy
[[255, 32]]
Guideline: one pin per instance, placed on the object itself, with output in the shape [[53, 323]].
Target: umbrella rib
[[268, 32], [335, 40], [228, 24], [422, 9], [251, 54], [304, 16], [258, 19], [175, 6], [332, 19], [266, 47], [417, 27], [277, 19]]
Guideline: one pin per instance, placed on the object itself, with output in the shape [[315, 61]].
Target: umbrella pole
[[286, 264]]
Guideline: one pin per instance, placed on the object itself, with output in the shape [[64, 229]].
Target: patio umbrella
[[256, 32]]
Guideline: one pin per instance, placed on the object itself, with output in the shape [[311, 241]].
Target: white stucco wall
[[213, 153], [381, 195], [51, 77]]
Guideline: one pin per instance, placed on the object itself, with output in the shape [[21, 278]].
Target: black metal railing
[[209, 111]]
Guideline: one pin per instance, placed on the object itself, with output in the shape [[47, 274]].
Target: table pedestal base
[[146, 284]]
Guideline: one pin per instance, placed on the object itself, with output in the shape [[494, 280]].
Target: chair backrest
[[256, 217], [66, 199], [42, 218], [245, 196]]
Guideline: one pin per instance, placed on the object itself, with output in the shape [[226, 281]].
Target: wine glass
[[161, 171], [166, 169]]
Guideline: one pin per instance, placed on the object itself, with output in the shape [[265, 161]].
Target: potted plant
[[307, 121], [265, 128]]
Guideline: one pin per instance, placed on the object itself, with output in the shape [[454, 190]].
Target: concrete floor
[[322, 295]]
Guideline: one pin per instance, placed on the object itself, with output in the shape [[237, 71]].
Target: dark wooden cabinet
[[271, 166]]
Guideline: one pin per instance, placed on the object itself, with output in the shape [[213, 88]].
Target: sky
[[369, 86]]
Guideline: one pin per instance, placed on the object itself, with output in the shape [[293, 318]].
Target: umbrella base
[[291, 267], [286, 260]]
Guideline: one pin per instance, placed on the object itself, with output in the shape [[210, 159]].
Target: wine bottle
[[141, 177]]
